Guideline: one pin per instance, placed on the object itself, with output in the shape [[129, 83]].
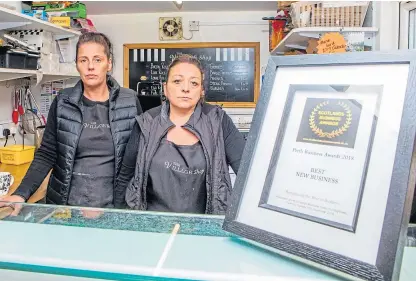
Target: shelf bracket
[[39, 77]]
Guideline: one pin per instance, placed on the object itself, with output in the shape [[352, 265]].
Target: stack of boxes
[[68, 14], [61, 12]]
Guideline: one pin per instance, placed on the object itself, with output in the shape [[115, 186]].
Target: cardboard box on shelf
[[72, 9], [61, 21], [39, 14]]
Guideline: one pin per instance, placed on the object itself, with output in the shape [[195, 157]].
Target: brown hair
[[99, 38], [185, 58]]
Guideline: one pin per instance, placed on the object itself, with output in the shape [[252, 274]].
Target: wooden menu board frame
[[255, 45]]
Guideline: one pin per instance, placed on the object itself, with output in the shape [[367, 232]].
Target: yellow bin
[[16, 155]]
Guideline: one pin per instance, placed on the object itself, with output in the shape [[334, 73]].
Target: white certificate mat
[[363, 243], [320, 159]]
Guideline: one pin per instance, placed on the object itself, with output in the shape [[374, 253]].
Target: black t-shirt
[[177, 179], [93, 173]]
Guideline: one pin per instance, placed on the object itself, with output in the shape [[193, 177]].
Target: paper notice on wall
[[332, 42], [48, 93], [45, 99], [57, 86], [45, 103]]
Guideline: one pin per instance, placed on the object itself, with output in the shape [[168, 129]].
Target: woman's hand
[[91, 214], [7, 201]]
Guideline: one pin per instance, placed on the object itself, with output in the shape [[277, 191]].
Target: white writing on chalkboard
[[229, 72], [211, 72], [241, 78], [240, 68], [215, 78], [243, 86], [198, 57], [211, 88], [221, 83], [213, 66]]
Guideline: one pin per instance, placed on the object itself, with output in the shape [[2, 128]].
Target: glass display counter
[[67, 242]]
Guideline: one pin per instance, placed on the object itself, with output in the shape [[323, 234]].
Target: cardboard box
[[61, 21], [74, 10], [36, 14]]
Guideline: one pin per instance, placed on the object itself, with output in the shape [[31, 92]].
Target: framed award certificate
[[318, 147], [327, 175]]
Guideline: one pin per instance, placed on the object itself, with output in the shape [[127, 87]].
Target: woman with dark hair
[[178, 155], [87, 130]]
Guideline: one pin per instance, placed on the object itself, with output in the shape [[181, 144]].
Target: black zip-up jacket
[[62, 133], [222, 143]]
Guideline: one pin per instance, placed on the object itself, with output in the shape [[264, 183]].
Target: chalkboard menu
[[231, 70]]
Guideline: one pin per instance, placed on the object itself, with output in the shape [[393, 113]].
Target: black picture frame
[[402, 182], [336, 89]]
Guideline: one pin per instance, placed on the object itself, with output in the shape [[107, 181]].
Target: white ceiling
[[129, 7]]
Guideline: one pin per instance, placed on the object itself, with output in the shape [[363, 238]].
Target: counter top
[[123, 253], [131, 245]]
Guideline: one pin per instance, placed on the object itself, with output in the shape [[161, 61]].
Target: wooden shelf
[[298, 37], [8, 74], [17, 21]]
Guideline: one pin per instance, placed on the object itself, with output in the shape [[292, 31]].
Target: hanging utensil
[[15, 113], [36, 107], [21, 98]]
